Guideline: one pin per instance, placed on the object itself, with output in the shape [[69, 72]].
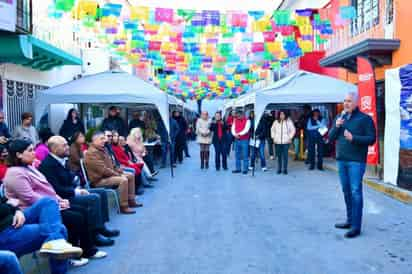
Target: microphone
[[343, 113]]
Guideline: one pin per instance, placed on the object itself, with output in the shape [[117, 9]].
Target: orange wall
[[403, 15]]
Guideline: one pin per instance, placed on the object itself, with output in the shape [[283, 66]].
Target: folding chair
[[110, 191]]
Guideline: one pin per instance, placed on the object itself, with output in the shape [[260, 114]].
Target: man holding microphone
[[353, 131]]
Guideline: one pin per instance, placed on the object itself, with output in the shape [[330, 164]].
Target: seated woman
[[36, 227], [3, 165], [28, 186], [41, 150], [77, 148], [136, 145]]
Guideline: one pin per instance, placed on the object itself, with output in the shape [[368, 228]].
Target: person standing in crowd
[[283, 132], [204, 138], [269, 122], [303, 119], [219, 132], [42, 150], [71, 125], [67, 186], [241, 132], [300, 129], [353, 131], [315, 139], [4, 130], [174, 132], [229, 123], [181, 136], [137, 121], [26, 130], [114, 122], [258, 145], [102, 173]]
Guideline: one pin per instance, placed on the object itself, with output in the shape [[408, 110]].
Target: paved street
[[209, 222]]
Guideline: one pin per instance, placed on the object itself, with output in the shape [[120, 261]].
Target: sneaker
[[272, 158], [79, 262], [61, 248], [251, 168], [264, 169], [154, 173], [99, 255]]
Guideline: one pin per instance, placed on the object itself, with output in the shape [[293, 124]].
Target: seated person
[[66, 185], [126, 162], [102, 173], [28, 185], [36, 227], [136, 145], [3, 161], [77, 148], [41, 149], [9, 263]]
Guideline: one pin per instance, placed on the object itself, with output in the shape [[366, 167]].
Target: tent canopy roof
[[106, 87]]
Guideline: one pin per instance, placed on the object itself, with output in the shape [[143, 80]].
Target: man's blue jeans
[[43, 224], [351, 175], [9, 263], [242, 154], [261, 151]]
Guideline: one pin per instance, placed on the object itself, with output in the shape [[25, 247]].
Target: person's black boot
[[279, 171], [353, 233], [345, 225]]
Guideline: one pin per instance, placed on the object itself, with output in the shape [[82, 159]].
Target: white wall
[[49, 78], [95, 60]]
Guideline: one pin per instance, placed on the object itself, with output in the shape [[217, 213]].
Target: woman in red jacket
[[121, 155]]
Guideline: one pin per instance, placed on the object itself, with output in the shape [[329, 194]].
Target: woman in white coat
[[282, 132], [204, 138]]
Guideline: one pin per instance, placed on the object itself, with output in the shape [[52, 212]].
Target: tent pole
[[171, 160]]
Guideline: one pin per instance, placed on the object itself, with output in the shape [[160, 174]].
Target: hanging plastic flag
[[111, 9], [64, 5], [347, 12], [257, 14], [239, 20], [140, 13], [163, 15]]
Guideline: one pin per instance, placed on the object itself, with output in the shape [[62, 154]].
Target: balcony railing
[[356, 32]]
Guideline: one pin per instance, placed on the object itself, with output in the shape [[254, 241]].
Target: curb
[[392, 191]]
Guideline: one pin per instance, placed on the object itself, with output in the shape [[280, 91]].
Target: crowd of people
[[54, 188], [275, 130]]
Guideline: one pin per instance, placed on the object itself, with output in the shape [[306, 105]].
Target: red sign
[[367, 100]]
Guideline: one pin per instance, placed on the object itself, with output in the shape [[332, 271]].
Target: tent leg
[[171, 161]]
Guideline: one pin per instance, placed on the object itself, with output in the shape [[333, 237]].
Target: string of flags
[[203, 54]]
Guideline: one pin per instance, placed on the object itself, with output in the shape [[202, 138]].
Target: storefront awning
[[378, 51], [29, 51]]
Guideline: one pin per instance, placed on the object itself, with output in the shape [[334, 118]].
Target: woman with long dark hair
[[315, 141], [282, 134], [71, 125]]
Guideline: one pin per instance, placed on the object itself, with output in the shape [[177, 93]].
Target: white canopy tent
[[105, 88], [302, 87]]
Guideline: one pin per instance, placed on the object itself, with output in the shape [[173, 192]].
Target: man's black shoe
[[109, 232], [244, 172], [279, 172], [343, 225], [311, 168], [320, 168], [148, 186], [152, 179], [236, 171], [285, 172], [103, 241], [352, 233]]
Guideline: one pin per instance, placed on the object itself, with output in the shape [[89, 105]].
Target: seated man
[[66, 185], [102, 173], [37, 227], [28, 185]]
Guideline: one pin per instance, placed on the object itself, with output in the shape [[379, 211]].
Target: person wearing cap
[[114, 122], [241, 133]]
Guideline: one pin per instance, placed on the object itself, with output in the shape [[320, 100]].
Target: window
[[367, 15], [24, 14], [389, 12]]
